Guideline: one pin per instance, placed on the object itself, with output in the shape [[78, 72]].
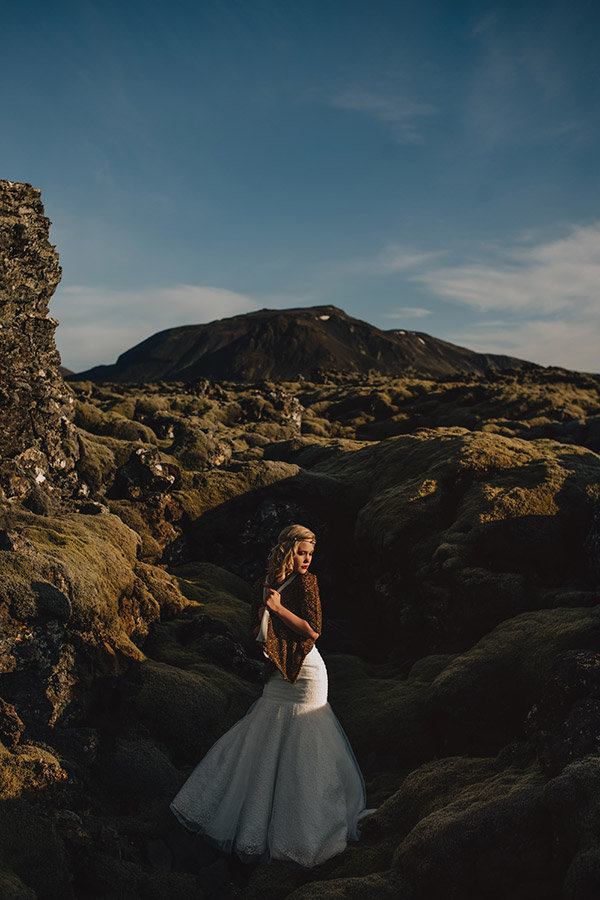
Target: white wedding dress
[[283, 782]]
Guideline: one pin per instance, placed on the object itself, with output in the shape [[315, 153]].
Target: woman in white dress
[[283, 782]]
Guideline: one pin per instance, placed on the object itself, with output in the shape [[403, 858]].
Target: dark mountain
[[285, 344]]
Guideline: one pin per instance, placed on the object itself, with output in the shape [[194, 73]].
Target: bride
[[283, 782]]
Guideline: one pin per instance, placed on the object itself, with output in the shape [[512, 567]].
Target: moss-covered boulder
[[89, 558], [480, 700], [35, 858], [573, 801], [74, 586], [460, 530], [488, 838], [187, 710]]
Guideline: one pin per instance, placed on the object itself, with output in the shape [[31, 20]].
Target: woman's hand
[[273, 601]]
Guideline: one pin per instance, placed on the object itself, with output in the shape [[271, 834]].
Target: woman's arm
[[300, 626]]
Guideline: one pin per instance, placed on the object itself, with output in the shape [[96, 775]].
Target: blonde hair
[[280, 562]]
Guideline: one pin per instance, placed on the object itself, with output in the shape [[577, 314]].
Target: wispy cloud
[[97, 324], [556, 342], [401, 112], [406, 312], [547, 294], [545, 278], [392, 259]]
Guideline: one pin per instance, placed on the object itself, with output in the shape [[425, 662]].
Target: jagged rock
[[204, 387], [38, 449], [144, 475], [11, 726], [77, 744], [197, 448]]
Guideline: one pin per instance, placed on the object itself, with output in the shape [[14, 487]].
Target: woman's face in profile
[[303, 556]]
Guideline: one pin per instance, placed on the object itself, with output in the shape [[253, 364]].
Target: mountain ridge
[[287, 344]]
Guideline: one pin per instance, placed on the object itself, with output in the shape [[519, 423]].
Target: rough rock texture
[[37, 446]]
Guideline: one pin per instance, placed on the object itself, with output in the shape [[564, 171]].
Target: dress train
[[283, 782]]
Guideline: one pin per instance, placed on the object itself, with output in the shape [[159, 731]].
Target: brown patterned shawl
[[285, 648]]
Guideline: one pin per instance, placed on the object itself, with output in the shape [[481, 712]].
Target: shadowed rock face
[[37, 443]]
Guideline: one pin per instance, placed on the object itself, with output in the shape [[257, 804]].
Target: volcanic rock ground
[[458, 554], [458, 558]]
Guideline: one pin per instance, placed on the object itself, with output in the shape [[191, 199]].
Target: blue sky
[[424, 166]]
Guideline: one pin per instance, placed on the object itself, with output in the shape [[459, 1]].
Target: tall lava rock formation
[[37, 444]]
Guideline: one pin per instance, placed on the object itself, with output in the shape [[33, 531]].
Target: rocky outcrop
[[37, 445]]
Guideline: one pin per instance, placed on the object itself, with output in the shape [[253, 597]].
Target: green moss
[[94, 555], [193, 447], [135, 768], [163, 587], [188, 710], [170, 886], [144, 407], [93, 419], [125, 406], [121, 449], [222, 595], [380, 715], [27, 768], [275, 881], [384, 885], [426, 789], [483, 838], [130, 514], [478, 702], [31, 848], [12, 888], [124, 429], [573, 798], [96, 462], [215, 486]]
